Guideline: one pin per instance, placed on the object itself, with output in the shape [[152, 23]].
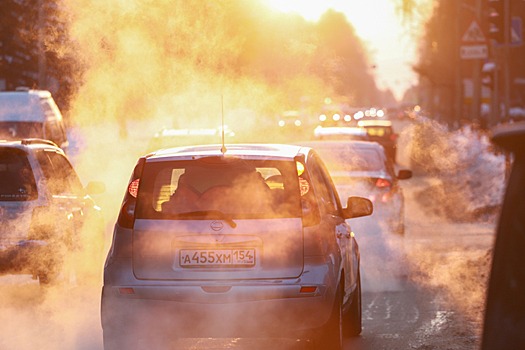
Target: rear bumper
[[220, 316], [26, 256], [257, 308]]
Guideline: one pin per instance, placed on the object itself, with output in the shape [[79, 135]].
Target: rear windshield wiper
[[216, 214]]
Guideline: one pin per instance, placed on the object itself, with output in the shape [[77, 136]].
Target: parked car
[[44, 210], [504, 326], [26, 113], [361, 168], [382, 132], [250, 240]]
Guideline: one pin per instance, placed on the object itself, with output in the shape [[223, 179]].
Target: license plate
[[217, 257]]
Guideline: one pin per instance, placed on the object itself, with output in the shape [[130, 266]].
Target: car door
[[65, 191], [331, 213]]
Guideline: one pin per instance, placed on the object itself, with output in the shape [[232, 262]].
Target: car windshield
[[238, 189], [20, 130], [17, 106], [17, 182]]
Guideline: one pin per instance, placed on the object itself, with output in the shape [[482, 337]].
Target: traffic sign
[[471, 52], [474, 34]]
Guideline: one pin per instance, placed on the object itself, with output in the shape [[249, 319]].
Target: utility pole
[[458, 96], [42, 64], [506, 58], [476, 74]]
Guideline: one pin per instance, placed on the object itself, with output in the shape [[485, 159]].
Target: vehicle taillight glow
[[126, 291], [382, 183], [133, 188], [387, 197]]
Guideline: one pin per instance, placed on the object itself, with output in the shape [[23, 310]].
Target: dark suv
[[246, 240], [504, 327], [44, 210]]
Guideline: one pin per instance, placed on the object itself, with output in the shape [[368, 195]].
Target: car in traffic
[[361, 168], [239, 240], [340, 133], [27, 113], [175, 137], [382, 132], [504, 328], [45, 212], [291, 125]]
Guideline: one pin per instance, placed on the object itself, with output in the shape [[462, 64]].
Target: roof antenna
[[223, 148]]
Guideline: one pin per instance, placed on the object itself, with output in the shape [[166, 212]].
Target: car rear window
[[237, 187], [17, 181], [19, 107], [15, 130]]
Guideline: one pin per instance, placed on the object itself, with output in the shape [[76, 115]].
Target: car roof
[[374, 122], [22, 105], [339, 130], [331, 143], [510, 136], [33, 143], [248, 151]]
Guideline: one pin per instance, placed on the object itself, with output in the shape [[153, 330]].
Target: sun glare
[[392, 52], [311, 10]]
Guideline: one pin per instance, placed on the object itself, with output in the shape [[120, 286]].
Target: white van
[[26, 113]]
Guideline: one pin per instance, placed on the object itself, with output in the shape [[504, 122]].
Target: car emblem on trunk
[[216, 225]]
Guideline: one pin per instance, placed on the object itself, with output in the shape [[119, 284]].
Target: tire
[[118, 340], [352, 319], [330, 336], [400, 227]]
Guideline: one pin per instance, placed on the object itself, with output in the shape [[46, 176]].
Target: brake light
[[126, 216], [393, 137], [382, 183], [133, 188]]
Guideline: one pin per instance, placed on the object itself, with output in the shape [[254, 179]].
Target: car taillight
[[126, 216], [133, 188], [393, 137], [382, 183]]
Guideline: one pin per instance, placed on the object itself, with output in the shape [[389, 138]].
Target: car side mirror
[[357, 207]]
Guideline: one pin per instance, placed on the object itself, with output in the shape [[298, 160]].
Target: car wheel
[[331, 335], [47, 278], [352, 320], [116, 340], [48, 272], [399, 227]]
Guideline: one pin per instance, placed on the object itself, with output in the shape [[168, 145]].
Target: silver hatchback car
[[243, 241]]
